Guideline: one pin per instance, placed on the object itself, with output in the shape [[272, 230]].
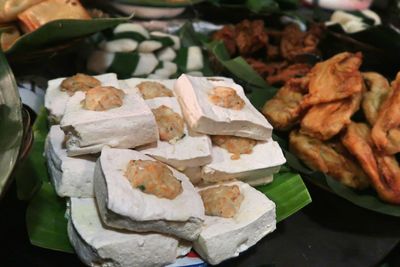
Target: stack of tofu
[[153, 168]]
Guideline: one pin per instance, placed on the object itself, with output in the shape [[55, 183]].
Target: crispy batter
[[386, 130], [295, 42], [103, 98], [151, 90], [383, 171], [291, 71], [265, 69], [284, 110], [226, 97], [79, 82], [170, 124], [153, 177], [250, 36], [323, 121], [223, 201], [227, 34], [234, 144], [334, 79], [327, 157], [378, 89]]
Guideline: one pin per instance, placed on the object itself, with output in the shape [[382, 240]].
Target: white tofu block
[[131, 84], [265, 160], [56, 100], [98, 245], [71, 177], [224, 238], [191, 151], [128, 126], [122, 206], [205, 117]]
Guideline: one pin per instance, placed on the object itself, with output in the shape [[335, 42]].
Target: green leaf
[[46, 222], [288, 192], [11, 129], [33, 170], [60, 31], [262, 6]]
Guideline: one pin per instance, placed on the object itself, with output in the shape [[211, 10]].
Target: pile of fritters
[[318, 109], [277, 52]]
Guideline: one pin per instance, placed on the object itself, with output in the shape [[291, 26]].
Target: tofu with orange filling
[[237, 217], [244, 159], [107, 116], [219, 106], [137, 193]]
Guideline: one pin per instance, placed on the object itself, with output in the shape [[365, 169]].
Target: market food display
[[177, 188], [357, 152]]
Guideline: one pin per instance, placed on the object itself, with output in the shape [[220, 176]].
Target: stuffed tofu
[[177, 145], [219, 106], [138, 193], [107, 116], [60, 90], [71, 177], [237, 217], [245, 159], [98, 245]]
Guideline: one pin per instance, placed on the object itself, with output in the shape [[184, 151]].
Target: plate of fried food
[[343, 130], [42, 25]]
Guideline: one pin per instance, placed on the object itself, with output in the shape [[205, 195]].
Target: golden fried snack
[[250, 36], [334, 79], [383, 171], [284, 110], [9, 9], [50, 10], [386, 130], [330, 158], [289, 72], [324, 121], [227, 35], [378, 89]]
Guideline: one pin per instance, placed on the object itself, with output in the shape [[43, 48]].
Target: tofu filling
[[103, 98], [170, 124], [234, 144], [222, 201], [151, 90], [79, 82], [153, 177], [226, 97]]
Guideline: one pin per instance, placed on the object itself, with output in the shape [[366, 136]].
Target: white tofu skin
[[97, 245], [205, 117], [71, 177], [56, 100], [122, 206], [224, 238]]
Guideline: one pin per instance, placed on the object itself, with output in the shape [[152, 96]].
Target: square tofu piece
[[71, 177], [192, 150], [98, 245], [134, 82], [55, 100], [255, 168], [124, 206], [223, 238], [127, 126], [219, 106]]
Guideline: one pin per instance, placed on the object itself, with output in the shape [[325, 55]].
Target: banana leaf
[[160, 3], [57, 33], [11, 128], [258, 6], [45, 216]]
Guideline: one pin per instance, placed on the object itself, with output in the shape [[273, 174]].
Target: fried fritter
[[386, 130], [250, 36], [296, 42], [289, 72], [283, 110], [227, 34], [324, 121], [328, 157], [378, 89], [383, 171], [334, 79]]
